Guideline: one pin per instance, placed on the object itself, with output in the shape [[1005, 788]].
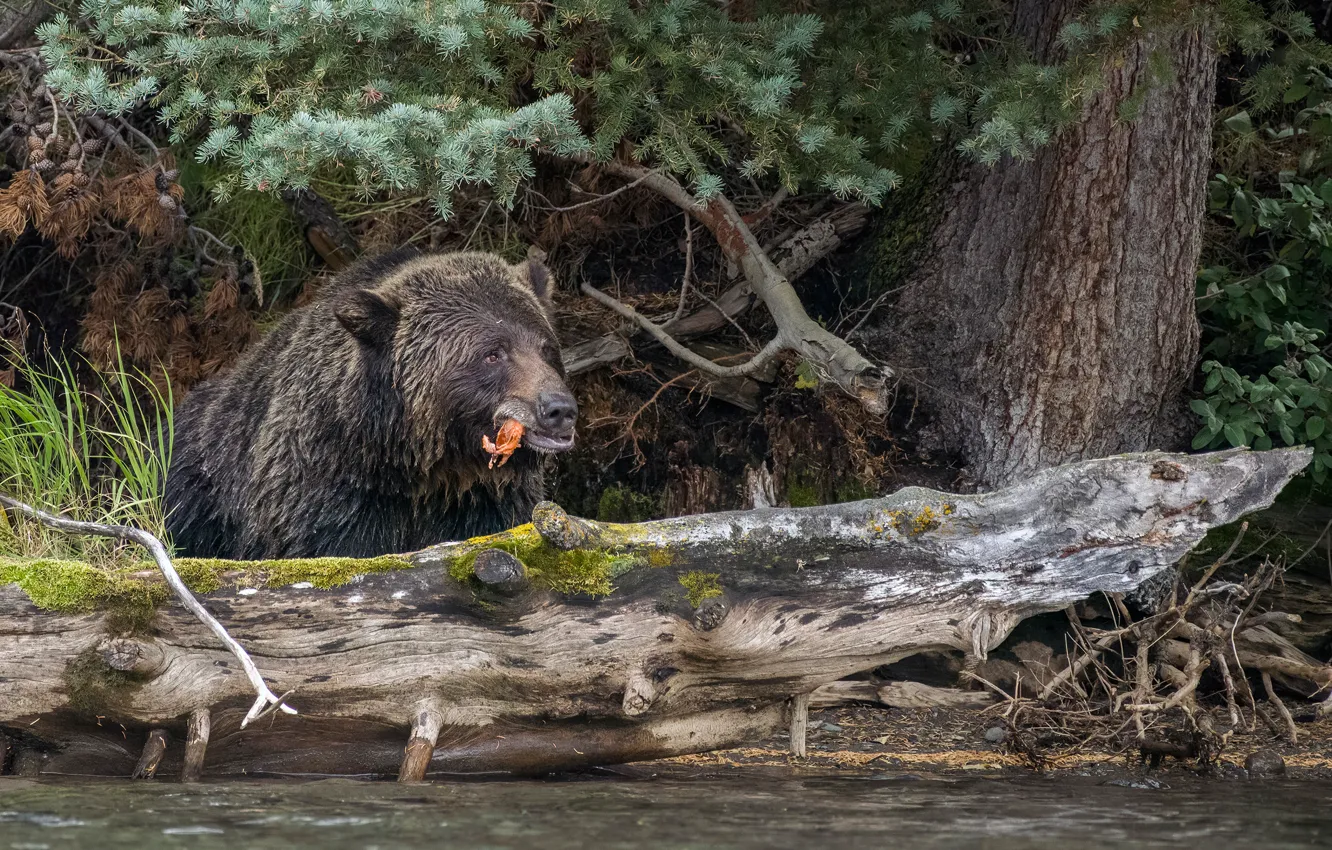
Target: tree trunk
[[1051, 315], [19, 18], [565, 642]]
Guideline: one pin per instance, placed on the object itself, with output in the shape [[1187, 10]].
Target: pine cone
[[166, 202], [44, 165], [43, 128], [93, 146]]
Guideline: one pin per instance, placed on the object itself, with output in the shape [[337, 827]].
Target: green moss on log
[[134, 592], [75, 587], [700, 586], [577, 571]]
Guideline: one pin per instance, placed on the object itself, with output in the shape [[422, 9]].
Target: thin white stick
[[159, 553]]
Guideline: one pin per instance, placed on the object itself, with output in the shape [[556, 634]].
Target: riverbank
[[941, 742]]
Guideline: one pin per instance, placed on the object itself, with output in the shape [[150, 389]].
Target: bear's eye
[[493, 357]]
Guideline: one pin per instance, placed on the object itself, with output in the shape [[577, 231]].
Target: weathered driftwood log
[[591, 643]]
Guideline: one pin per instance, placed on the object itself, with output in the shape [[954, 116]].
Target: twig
[[1280, 706], [1144, 687], [55, 117], [1216, 565], [121, 532], [135, 131], [1224, 666], [686, 354], [689, 269], [606, 197]]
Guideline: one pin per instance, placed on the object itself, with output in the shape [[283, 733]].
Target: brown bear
[[355, 427]]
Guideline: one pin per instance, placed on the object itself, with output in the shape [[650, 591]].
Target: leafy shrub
[[1266, 374]]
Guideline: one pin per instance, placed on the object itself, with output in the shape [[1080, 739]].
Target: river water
[[732, 811]]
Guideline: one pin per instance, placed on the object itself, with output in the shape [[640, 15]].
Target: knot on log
[[710, 613], [561, 530], [1168, 470], [640, 692], [871, 389], [983, 630], [500, 569], [142, 658]]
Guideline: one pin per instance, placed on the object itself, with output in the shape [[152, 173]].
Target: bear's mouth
[[548, 443]]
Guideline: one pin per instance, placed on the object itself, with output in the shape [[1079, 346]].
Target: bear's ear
[[536, 277], [367, 315]]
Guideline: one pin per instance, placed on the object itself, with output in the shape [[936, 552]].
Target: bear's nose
[[556, 412]]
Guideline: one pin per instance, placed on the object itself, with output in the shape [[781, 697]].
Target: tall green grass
[[95, 449]]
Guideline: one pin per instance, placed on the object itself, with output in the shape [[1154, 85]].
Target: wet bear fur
[[354, 427]]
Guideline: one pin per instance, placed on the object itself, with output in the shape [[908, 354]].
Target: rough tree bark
[[19, 19], [1050, 315], [568, 643]]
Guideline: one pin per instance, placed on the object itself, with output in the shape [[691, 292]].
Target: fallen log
[[591, 643]]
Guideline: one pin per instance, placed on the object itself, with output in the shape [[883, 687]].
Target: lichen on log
[[613, 639]]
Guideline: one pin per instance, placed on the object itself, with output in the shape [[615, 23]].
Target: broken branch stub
[[612, 648]]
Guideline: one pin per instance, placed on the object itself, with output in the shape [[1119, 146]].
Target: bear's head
[[470, 343]]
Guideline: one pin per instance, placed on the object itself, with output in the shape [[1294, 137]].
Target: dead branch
[[703, 364], [799, 253], [833, 358], [155, 547]]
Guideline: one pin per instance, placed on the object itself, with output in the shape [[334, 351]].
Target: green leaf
[[1287, 435], [1241, 209], [1203, 439], [1261, 320], [1235, 435], [1240, 122], [1201, 407], [1263, 443], [806, 377], [1295, 92], [1314, 427]]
